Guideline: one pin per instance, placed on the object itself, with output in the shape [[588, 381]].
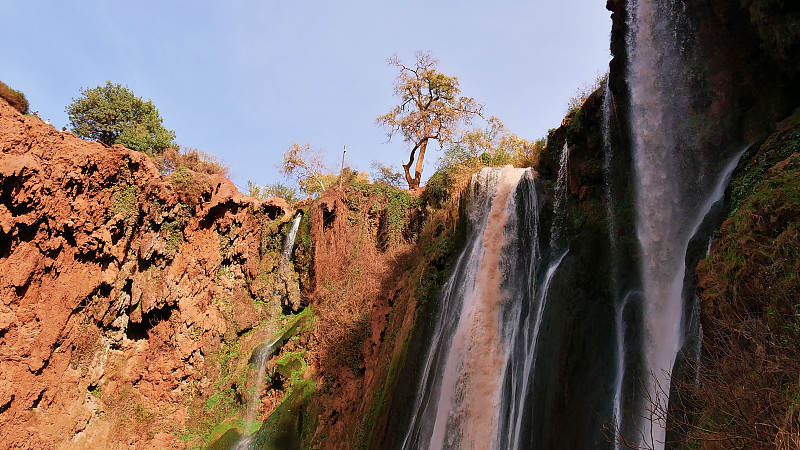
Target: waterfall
[[263, 353], [286, 254], [522, 364], [288, 243], [258, 361], [676, 182], [608, 156], [482, 309], [560, 198]]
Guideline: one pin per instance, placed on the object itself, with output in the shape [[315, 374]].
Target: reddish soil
[[117, 284]]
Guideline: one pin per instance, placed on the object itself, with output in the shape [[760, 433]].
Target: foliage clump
[[757, 161], [112, 114], [193, 159], [188, 184], [14, 98], [494, 145], [386, 174], [271, 190], [306, 166]]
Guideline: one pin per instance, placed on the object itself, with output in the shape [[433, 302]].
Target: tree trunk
[[413, 183], [418, 173]]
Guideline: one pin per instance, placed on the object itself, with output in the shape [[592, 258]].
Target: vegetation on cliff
[[749, 286], [112, 114], [14, 98], [132, 299], [430, 108]]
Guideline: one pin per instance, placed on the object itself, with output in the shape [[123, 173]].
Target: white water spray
[[288, 244], [262, 354], [619, 304], [462, 385], [676, 183]]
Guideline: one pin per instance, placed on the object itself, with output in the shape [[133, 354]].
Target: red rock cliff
[[119, 288]]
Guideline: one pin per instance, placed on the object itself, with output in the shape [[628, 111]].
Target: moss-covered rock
[[749, 287]]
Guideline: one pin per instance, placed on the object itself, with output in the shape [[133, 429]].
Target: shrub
[[187, 184], [271, 190], [14, 98], [386, 174], [494, 145], [193, 159], [584, 91]]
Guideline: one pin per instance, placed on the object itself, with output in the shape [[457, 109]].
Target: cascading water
[[676, 182], [608, 155], [286, 254], [529, 342], [560, 199], [259, 362], [482, 307], [288, 244], [479, 370], [528, 324], [263, 353]]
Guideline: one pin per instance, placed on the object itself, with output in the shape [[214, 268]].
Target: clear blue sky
[[244, 79]]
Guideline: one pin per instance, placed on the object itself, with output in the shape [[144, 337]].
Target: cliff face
[[750, 293], [123, 291]]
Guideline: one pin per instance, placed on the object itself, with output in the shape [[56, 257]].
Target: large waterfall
[[569, 337], [485, 322], [677, 181]]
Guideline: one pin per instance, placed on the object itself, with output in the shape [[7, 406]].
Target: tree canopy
[[306, 166], [430, 108], [272, 190], [112, 114], [493, 145]]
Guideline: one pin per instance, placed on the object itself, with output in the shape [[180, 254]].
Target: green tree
[[386, 174], [112, 114], [430, 108], [494, 145], [271, 190]]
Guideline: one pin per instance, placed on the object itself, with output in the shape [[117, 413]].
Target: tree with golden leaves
[[430, 108], [305, 165]]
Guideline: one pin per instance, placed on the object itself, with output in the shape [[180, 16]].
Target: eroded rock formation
[[121, 289]]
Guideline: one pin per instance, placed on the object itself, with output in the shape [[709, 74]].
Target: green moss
[[206, 418], [285, 427], [398, 205], [124, 201], [174, 237], [755, 164], [293, 419], [182, 178]]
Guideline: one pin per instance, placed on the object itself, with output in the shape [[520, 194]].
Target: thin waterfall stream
[[262, 354], [620, 304]]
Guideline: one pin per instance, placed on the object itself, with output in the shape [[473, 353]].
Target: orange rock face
[[117, 285]]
